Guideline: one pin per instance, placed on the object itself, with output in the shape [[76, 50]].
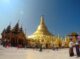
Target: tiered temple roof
[[15, 35]]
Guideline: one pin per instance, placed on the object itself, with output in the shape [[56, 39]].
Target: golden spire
[[42, 29], [42, 20]]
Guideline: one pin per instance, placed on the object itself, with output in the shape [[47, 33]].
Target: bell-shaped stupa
[[42, 29]]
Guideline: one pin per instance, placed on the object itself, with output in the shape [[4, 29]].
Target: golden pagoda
[[42, 35], [42, 29]]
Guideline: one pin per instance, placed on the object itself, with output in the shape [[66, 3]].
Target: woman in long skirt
[[71, 52]]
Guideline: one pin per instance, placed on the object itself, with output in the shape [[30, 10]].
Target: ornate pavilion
[[14, 36]]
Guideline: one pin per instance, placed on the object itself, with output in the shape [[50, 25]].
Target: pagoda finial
[[42, 20], [18, 21], [16, 27]]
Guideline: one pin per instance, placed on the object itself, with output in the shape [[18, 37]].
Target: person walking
[[71, 45], [77, 48], [40, 47]]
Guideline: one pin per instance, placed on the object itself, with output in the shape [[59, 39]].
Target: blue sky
[[61, 16]]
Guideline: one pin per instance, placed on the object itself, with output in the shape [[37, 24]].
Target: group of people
[[73, 45]]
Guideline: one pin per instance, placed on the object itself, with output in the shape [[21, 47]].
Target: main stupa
[[41, 30], [42, 35]]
